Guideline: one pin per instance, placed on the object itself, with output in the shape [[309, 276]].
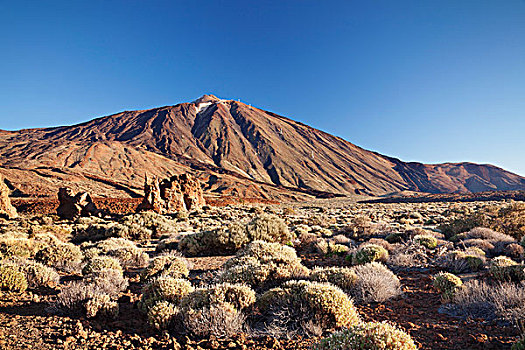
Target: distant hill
[[234, 148]]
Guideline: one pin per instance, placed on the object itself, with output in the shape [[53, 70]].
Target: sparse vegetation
[[295, 275]]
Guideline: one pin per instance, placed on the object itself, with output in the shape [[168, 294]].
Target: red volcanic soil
[[46, 206]]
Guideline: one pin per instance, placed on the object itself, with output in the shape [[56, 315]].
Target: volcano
[[234, 148]]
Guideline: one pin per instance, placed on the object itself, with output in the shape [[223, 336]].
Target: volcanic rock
[[72, 206], [6, 209], [179, 192]]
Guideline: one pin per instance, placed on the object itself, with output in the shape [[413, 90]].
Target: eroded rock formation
[[72, 206], [179, 192], [6, 208]]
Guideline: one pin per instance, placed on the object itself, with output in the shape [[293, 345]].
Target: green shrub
[[100, 231], [463, 224], [269, 228], [101, 304], [368, 253], [39, 275], [427, 241], [447, 284], [60, 256], [368, 336], [239, 296], [324, 304], [395, 237], [12, 278], [100, 263], [262, 264], [458, 261], [218, 241], [170, 265], [224, 241], [506, 269], [508, 219], [16, 247], [342, 277], [157, 224], [164, 288], [125, 251], [162, 314]]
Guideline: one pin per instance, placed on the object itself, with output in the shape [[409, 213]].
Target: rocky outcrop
[[72, 206], [6, 208], [179, 192]]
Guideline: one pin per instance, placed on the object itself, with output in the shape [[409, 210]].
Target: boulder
[[6, 208], [72, 206], [179, 192]]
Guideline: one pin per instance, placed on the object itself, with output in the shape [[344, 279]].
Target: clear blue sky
[[428, 81]]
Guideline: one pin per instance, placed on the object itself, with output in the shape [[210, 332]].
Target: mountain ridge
[[233, 147]]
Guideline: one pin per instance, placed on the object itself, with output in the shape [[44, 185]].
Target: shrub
[[224, 241], [508, 219], [125, 251], [375, 283], [367, 253], [100, 231], [395, 237], [101, 304], [458, 261], [342, 277], [101, 263], [12, 278], [220, 320], [408, 256], [489, 235], [324, 304], [427, 241], [170, 265], [218, 241], [268, 228], [164, 289], [359, 227], [479, 243], [39, 275], [262, 264], [156, 224], [238, 295], [16, 247], [447, 284], [107, 281], [504, 302], [162, 314], [515, 251], [505, 269], [368, 336], [463, 224], [63, 256]]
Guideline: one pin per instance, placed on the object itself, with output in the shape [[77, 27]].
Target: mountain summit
[[236, 149]]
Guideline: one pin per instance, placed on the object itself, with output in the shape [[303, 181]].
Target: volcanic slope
[[233, 147]]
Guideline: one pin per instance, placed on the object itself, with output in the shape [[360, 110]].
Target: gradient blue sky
[[429, 81]]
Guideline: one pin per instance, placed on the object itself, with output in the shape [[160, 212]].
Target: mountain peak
[[207, 98]]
